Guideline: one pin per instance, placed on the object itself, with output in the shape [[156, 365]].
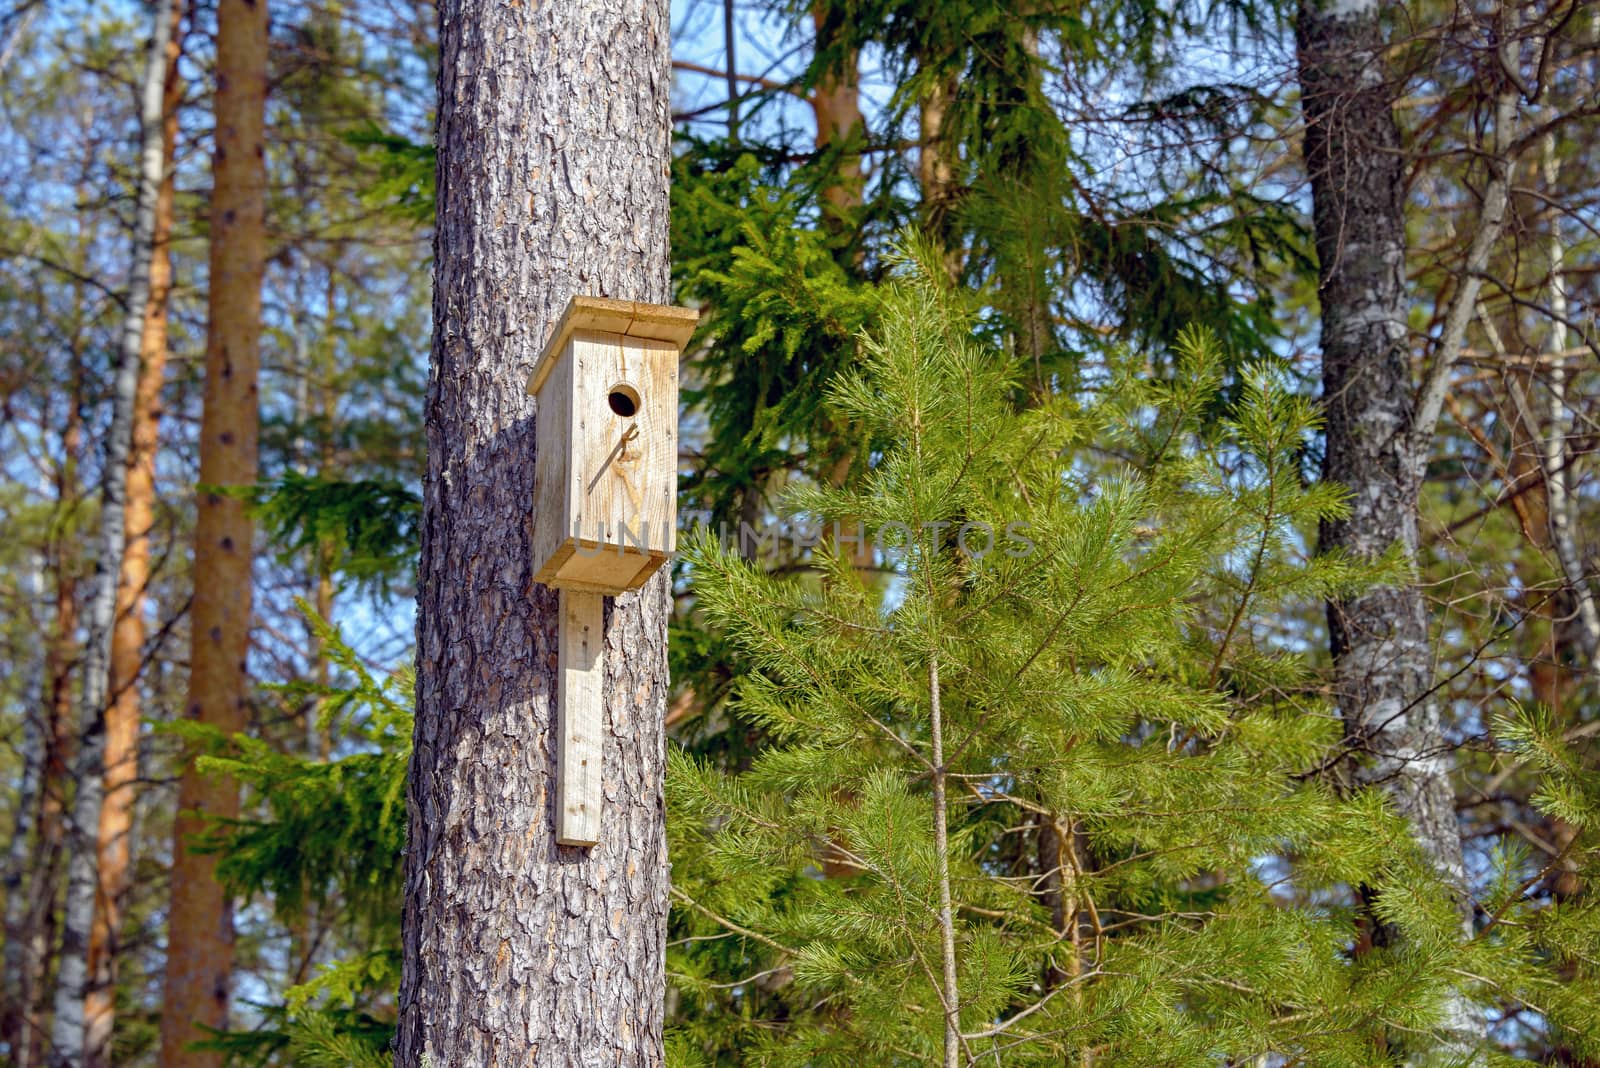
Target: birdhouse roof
[[655, 322]]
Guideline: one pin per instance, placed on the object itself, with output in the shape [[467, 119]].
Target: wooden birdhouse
[[606, 467], [606, 506]]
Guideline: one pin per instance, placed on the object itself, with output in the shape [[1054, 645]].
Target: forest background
[[1150, 222]]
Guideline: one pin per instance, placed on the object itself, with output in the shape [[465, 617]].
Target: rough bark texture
[[553, 143], [200, 940], [67, 1030], [1380, 641], [127, 639], [1060, 862]]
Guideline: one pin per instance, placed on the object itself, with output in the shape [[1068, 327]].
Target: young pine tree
[[1063, 796]]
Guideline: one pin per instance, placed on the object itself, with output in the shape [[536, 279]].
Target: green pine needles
[[330, 836], [1041, 768], [1068, 795]]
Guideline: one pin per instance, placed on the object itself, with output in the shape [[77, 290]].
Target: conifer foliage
[[1024, 721], [1062, 798], [331, 832]]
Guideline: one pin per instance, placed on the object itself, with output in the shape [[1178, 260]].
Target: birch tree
[[1380, 419], [67, 1032], [114, 870], [1380, 639], [553, 151]]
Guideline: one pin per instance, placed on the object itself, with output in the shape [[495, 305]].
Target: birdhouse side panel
[[553, 498]]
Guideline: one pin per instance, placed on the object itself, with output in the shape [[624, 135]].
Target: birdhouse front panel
[[607, 439]]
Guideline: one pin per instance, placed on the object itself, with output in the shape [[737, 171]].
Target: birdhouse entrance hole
[[624, 400]]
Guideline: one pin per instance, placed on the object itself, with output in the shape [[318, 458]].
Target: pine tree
[[518, 948], [200, 935], [1106, 669]]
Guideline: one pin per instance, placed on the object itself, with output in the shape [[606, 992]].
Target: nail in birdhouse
[[607, 460]]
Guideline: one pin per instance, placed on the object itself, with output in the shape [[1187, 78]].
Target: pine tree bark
[[128, 634], [836, 104], [67, 1030], [200, 936], [936, 168], [1380, 642], [553, 140]]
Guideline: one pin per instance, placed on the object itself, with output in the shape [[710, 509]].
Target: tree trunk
[[39, 932], [836, 103], [200, 939], [950, 989], [67, 1031], [1559, 459], [553, 138], [730, 28], [17, 988], [936, 169], [31, 878], [1380, 642], [34, 753], [38, 929], [128, 634]]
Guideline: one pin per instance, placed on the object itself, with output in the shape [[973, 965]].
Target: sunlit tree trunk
[[836, 103], [200, 938], [67, 1029], [128, 634], [553, 140], [936, 169]]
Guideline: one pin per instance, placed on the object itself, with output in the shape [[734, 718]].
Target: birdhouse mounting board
[[605, 506]]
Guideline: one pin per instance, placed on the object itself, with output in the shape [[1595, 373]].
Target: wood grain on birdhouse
[[605, 508], [580, 718]]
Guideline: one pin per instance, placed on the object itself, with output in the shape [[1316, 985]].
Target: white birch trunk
[[67, 1029], [1558, 459], [1378, 434]]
